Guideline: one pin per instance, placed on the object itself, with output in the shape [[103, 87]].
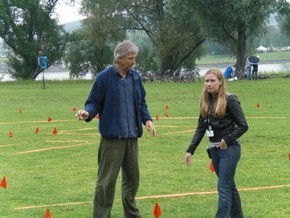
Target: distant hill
[[72, 26]]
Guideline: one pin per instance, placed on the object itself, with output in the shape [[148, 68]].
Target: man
[[248, 69], [118, 97], [255, 71]]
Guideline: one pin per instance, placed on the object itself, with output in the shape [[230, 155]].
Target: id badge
[[209, 133]]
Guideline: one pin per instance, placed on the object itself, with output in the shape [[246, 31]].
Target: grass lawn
[[58, 171]]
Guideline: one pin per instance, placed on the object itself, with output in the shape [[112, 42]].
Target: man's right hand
[[82, 115]]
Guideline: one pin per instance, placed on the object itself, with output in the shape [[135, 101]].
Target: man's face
[[128, 61]]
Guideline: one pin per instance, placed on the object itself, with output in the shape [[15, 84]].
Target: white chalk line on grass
[[185, 131], [35, 121], [253, 117], [154, 197], [65, 141], [209, 193], [7, 145], [160, 118], [52, 148], [51, 205], [267, 117]]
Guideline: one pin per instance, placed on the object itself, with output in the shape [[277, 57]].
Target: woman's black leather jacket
[[232, 126]]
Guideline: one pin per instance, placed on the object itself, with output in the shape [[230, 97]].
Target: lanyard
[[208, 117]]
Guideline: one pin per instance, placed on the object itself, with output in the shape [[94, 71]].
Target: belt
[[214, 144]]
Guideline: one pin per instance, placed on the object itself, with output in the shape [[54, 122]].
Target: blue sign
[[42, 62]]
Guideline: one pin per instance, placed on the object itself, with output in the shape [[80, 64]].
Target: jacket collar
[[115, 70]]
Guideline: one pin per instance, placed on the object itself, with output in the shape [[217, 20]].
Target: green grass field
[[58, 171]]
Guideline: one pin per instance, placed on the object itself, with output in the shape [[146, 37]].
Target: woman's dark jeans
[[225, 162]]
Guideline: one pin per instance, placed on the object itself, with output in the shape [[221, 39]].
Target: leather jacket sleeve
[[199, 133], [236, 115]]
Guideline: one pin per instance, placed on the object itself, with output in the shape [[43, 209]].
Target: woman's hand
[[187, 158], [223, 144]]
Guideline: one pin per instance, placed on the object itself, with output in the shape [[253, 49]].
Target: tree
[[171, 26], [283, 8], [84, 55], [233, 23], [27, 28], [90, 48], [146, 59], [272, 38]]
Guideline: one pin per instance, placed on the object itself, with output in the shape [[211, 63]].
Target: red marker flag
[[3, 183], [156, 117], [211, 167], [257, 105], [289, 156], [157, 211], [10, 134], [74, 109], [47, 214], [166, 114], [54, 132], [166, 107], [37, 130], [20, 110], [49, 119]]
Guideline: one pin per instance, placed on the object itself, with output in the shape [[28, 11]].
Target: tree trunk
[[241, 53]]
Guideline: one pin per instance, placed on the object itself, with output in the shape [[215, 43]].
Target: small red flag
[[211, 167], [54, 132], [74, 109], [156, 117], [289, 156], [166, 114], [10, 134], [49, 119], [47, 214], [166, 107], [20, 110], [258, 105], [157, 211], [3, 183], [37, 130]]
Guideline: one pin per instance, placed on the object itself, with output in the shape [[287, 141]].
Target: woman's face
[[212, 83]]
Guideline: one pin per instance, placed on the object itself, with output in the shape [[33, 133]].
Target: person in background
[[222, 119], [118, 97], [255, 71], [228, 74], [248, 69]]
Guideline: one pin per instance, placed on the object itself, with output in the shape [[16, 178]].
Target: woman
[[223, 121]]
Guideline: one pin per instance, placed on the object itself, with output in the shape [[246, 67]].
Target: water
[[262, 68], [63, 74]]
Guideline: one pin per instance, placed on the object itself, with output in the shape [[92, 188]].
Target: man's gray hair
[[123, 48]]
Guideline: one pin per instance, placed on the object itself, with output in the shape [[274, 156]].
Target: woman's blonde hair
[[217, 103]]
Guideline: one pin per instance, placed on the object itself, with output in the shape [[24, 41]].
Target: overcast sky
[[66, 13]]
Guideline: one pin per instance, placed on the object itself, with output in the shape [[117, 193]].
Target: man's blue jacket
[[104, 100]]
